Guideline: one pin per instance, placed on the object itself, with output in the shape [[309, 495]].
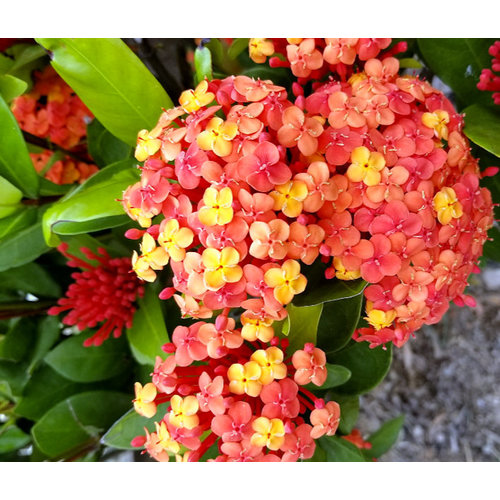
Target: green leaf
[[340, 450], [48, 331], [28, 57], [409, 62], [30, 278], [337, 375], [368, 366], [88, 364], [15, 163], [127, 428], [45, 389], [12, 439], [203, 64], [237, 47], [49, 188], [482, 126], [103, 146], [319, 455], [112, 81], [18, 340], [14, 223], [10, 197], [384, 438], [338, 322], [458, 62], [15, 374], [93, 205], [349, 410], [301, 325], [21, 247], [11, 87], [148, 332], [76, 423]]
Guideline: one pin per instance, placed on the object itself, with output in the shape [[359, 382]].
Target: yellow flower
[[217, 136], [165, 439], [259, 49], [144, 399], [271, 364], [379, 319], [152, 257], [270, 433], [147, 145], [175, 239], [256, 328], [244, 379], [342, 273], [218, 207], [446, 205], [366, 166], [183, 412], [286, 281], [288, 197], [221, 267], [437, 121], [193, 100]]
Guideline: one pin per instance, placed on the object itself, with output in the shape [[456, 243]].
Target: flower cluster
[[488, 80], [248, 396], [103, 292], [52, 110]]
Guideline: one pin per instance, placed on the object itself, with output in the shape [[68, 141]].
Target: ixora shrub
[[264, 213]]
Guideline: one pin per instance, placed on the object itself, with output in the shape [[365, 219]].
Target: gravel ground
[[446, 382]]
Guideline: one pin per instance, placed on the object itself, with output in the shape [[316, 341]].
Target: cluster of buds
[[240, 187], [248, 396], [104, 292], [52, 110], [488, 80]]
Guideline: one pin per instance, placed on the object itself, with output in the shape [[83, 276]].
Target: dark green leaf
[[491, 249], [17, 342], [337, 375], [337, 323], [148, 332], [301, 325], [24, 217], [482, 126], [384, 438], [319, 455], [11, 87], [48, 331], [88, 364], [103, 146], [77, 423], [128, 427], [340, 450], [28, 57], [45, 389], [49, 188], [15, 163], [203, 64], [458, 62], [368, 366], [237, 47], [15, 375], [12, 439], [93, 205], [30, 278], [112, 81], [349, 410]]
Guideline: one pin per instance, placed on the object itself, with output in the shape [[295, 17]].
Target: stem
[[46, 144]]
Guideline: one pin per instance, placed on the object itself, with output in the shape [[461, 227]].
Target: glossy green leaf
[[340, 450], [21, 247], [112, 81], [48, 331], [368, 366], [27, 57], [103, 146], [319, 455], [12, 439], [148, 332], [77, 423], [23, 218], [88, 364], [93, 205], [336, 375], [49, 188], [384, 438], [15, 375], [458, 62], [301, 325], [237, 47], [11, 87], [203, 64], [482, 126], [337, 323], [349, 410], [45, 389], [128, 427], [10, 197], [15, 163], [17, 342], [30, 278]]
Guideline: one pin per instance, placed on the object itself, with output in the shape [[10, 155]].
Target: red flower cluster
[[102, 293], [53, 111], [488, 81]]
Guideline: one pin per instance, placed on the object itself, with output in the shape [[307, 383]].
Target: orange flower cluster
[[53, 111]]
